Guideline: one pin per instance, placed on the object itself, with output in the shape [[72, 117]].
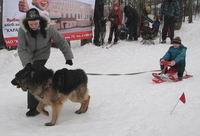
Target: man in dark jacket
[[176, 55], [34, 43], [131, 22], [170, 10], [99, 22]]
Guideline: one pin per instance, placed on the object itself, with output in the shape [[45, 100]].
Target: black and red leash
[[122, 74]]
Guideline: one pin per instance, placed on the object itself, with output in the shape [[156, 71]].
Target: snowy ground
[[120, 105]]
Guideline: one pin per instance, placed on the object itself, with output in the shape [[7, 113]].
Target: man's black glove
[[69, 62]]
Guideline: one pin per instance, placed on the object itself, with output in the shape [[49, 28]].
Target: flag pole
[[174, 108]]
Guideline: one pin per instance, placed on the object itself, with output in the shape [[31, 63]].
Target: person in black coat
[[132, 21], [99, 22]]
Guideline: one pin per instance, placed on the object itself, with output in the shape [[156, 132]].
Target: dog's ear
[[28, 65], [64, 69]]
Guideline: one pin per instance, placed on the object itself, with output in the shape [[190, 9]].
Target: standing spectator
[[34, 43], [99, 22], [1, 33], [170, 10], [131, 22], [115, 18]]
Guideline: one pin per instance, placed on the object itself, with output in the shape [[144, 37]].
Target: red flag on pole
[[182, 98]]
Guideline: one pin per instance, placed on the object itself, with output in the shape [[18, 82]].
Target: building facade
[[70, 13]]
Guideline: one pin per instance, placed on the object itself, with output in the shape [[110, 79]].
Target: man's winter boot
[[180, 78], [32, 113]]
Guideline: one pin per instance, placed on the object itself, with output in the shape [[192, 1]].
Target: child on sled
[[175, 58]]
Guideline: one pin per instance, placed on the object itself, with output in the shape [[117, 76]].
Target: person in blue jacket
[[176, 55]]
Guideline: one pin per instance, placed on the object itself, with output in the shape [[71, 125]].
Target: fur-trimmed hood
[[32, 47], [43, 17]]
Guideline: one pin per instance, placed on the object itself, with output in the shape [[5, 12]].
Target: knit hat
[[32, 14], [177, 40]]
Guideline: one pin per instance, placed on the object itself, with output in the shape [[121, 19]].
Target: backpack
[[123, 33]]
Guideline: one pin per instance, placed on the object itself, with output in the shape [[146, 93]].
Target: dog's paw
[[84, 106], [49, 124], [78, 112]]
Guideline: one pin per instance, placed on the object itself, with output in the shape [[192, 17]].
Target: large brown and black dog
[[54, 88]]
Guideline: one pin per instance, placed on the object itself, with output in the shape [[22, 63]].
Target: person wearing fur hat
[[34, 44], [176, 56]]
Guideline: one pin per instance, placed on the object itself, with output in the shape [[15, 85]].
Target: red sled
[[157, 78]]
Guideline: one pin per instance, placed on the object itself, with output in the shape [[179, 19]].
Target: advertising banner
[[72, 18]]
